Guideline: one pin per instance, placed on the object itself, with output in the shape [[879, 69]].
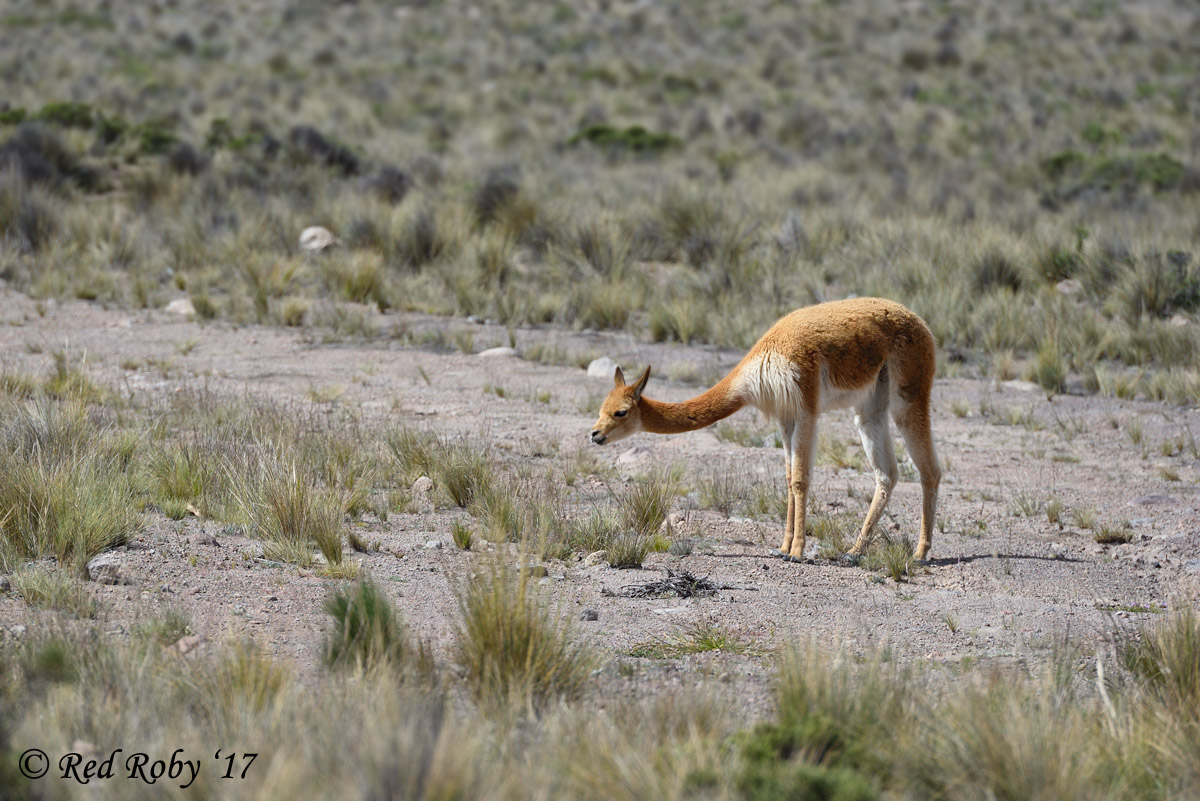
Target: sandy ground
[[1000, 586]]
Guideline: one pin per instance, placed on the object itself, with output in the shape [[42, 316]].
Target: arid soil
[[1001, 584]]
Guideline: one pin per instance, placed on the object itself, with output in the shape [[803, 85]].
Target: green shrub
[[368, 632], [156, 137], [634, 138], [67, 114]]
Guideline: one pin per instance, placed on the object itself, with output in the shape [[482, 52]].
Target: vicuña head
[[870, 354], [620, 415]]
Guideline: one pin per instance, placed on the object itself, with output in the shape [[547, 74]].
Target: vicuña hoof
[[775, 553], [790, 558]]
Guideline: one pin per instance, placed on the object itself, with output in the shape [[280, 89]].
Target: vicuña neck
[[703, 410]]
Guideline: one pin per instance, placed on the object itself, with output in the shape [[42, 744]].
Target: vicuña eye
[[621, 413]]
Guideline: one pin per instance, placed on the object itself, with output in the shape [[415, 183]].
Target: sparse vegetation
[[696, 637], [890, 555], [283, 507], [367, 633], [66, 485], [645, 503], [42, 588], [513, 646], [1113, 534]]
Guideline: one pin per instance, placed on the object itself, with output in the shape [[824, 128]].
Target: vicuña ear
[[640, 384], [618, 379]]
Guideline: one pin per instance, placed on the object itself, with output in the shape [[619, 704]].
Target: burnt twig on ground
[[681, 584]]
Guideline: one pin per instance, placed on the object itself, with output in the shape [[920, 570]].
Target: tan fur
[[866, 353]]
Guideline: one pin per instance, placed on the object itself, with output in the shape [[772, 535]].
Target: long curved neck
[[703, 410]]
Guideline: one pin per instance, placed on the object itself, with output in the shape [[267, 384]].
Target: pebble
[[186, 645], [182, 307], [1021, 386], [595, 558], [1191, 566], [590, 614], [316, 238], [433, 545], [603, 367], [106, 569], [1152, 500], [422, 494], [492, 353]]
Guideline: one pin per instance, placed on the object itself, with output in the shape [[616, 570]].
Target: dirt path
[[1001, 584]]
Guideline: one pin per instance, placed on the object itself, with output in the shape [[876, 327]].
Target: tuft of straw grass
[[284, 508], [53, 589], [513, 647]]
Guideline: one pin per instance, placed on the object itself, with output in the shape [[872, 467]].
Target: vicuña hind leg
[[913, 423], [871, 420], [786, 546], [804, 440]]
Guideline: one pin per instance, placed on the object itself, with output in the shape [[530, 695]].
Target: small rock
[[536, 571], [204, 538], [107, 569], [634, 455], [182, 307], [595, 558], [1069, 286], [316, 238], [590, 614], [17, 630], [670, 610], [680, 521], [603, 367], [492, 353], [422, 494], [83, 747], [5, 584], [1021, 386], [1152, 500], [433, 545], [1178, 320], [1191, 566], [187, 645]]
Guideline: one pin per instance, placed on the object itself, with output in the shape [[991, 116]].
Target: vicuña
[[867, 353]]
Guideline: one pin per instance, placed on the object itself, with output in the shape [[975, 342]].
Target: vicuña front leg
[[872, 424]]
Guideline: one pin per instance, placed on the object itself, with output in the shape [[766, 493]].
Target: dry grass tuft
[[513, 647]]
